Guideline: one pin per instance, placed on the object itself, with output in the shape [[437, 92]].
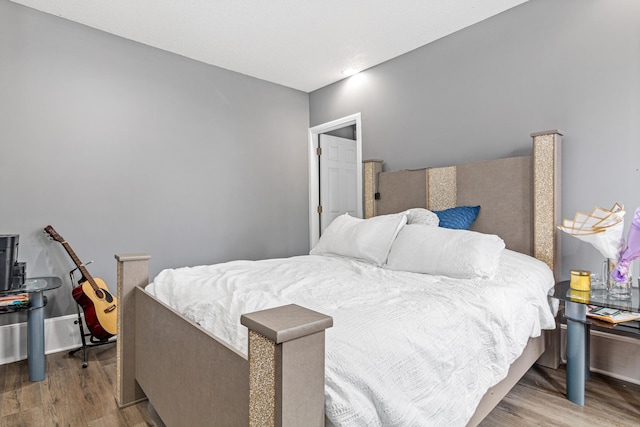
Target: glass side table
[[578, 330], [35, 287]]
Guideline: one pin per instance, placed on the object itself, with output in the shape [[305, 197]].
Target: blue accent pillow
[[459, 218]]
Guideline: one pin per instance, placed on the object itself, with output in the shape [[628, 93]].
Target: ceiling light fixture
[[350, 71]]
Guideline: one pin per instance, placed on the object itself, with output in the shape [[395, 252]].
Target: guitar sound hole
[[99, 293]]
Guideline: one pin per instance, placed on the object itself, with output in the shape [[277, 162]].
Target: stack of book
[[14, 301], [611, 315]]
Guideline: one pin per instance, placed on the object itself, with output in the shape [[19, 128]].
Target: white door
[[338, 179]]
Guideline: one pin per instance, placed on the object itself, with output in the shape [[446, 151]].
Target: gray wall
[[126, 148], [479, 93]]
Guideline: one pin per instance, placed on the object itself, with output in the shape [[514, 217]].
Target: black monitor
[[8, 258]]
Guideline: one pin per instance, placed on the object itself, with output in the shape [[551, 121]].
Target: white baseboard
[[60, 334]]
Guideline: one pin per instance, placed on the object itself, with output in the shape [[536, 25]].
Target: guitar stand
[[93, 341]]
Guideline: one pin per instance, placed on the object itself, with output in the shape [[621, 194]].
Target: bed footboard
[[192, 378], [133, 271], [286, 366]]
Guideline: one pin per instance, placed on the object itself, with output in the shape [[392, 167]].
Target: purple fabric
[[631, 252]]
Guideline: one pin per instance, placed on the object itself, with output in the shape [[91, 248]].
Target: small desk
[[35, 287], [578, 330]]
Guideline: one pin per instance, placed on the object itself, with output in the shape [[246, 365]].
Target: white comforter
[[406, 349]]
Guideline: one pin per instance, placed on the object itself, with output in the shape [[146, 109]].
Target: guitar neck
[[81, 267]]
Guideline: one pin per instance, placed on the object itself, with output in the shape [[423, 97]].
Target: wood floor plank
[[141, 415], [59, 362], [14, 375], [30, 396], [9, 403], [110, 372], [64, 399], [110, 420], [28, 418], [96, 394], [539, 400]]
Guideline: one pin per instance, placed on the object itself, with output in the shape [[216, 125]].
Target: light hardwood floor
[[539, 399], [72, 396], [69, 395]]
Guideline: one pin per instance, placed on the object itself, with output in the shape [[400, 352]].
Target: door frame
[[314, 172]]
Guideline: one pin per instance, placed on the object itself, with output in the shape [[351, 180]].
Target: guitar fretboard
[[81, 267]]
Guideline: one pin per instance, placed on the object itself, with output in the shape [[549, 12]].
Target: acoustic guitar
[[99, 306]]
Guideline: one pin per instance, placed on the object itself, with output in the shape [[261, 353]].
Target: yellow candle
[[579, 296], [580, 280]]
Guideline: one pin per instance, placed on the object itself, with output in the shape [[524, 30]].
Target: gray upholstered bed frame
[[192, 378]]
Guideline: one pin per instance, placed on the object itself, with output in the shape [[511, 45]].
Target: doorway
[[315, 179]]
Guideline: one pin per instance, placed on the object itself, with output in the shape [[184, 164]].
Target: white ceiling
[[302, 44]]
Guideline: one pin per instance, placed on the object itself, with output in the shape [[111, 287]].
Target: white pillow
[[446, 252], [421, 216], [366, 239]]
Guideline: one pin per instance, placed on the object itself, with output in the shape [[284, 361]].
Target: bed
[[198, 366]]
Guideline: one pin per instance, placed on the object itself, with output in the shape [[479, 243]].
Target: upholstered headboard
[[519, 196]]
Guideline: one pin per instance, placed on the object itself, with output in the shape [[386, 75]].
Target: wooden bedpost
[[546, 218], [286, 366], [546, 188], [133, 271], [371, 170]]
